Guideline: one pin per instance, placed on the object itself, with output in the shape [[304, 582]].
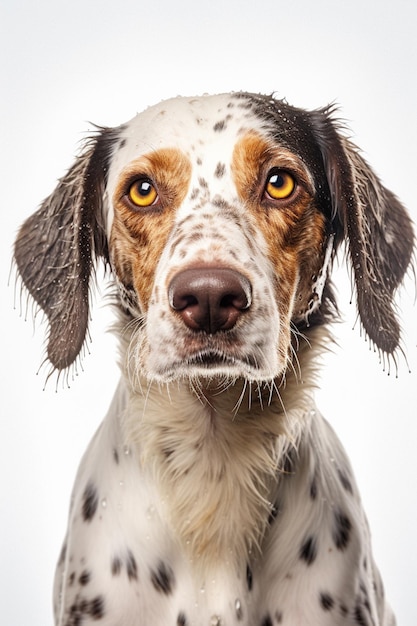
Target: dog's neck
[[214, 450]]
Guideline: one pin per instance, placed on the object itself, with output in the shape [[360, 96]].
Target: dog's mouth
[[209, 363], [209, 359]]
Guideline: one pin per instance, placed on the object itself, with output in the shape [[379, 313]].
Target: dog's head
[[219, 217]]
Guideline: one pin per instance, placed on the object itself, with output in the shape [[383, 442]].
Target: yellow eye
[[142, 193], [280, 185]]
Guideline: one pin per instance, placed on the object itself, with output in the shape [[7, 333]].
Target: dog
[[214, 493]]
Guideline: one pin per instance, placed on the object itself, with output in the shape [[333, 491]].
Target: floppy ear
[[377, 228], [57, 246]]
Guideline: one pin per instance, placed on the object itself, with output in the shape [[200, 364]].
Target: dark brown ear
[[378, 230], [56, 248]]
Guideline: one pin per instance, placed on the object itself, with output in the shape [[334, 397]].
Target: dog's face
[[219, 216], [216, 233]]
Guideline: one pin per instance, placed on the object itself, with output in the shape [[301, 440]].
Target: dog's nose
[[209, 299]]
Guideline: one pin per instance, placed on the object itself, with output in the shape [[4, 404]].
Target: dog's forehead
[[193, 125]]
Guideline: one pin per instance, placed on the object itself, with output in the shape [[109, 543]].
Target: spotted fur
[[214, 493]]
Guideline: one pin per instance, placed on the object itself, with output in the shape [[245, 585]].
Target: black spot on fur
[[249, 578], [83, 608], [326, 601], [116, 456], [84, 578], [90, 502], [220, 170], [163, 579], [97, 607], [278, 617], [71, 578], [346, 484], [308, 551], [181, 620], [75, 616], [116, 566], [267, 621], [365, 596], [343, 610], [132, 568], [341, 531], [122, 143], [313, 490], [219, 126], [360, 617]]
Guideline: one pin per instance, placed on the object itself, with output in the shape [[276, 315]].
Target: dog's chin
[[208, 365]]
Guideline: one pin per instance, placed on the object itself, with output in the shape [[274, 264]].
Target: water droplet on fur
[[238, 608], [215, 621], [203, 589], [126, 450], [104, 503]]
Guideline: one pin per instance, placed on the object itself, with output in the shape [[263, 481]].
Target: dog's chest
[[132, 558]]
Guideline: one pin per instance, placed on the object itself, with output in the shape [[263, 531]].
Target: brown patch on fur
[[293, 228], [138, 236]]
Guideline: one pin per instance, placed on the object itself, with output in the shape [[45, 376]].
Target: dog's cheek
[[283, 254], [136, 247], [311, 256], [296, 249]]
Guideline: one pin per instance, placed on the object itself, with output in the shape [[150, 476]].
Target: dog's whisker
[[240, 398]]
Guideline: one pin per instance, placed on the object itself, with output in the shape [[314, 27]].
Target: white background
[[65, 64]]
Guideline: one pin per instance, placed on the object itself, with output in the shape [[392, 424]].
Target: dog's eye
[[142, 193], [280, 185]]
